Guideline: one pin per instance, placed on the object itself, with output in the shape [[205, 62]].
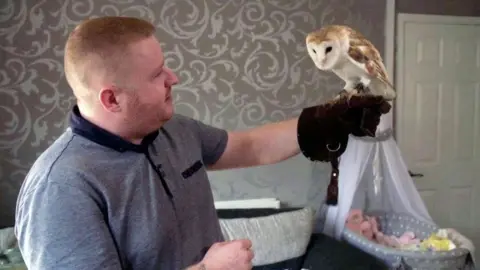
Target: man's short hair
[[98, 46]]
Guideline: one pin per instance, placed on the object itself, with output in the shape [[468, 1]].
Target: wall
[[241, 64], [439, 7]]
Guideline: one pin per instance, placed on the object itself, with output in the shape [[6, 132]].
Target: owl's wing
[[364, 52]]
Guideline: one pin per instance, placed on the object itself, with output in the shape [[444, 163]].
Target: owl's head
[[326, 47]]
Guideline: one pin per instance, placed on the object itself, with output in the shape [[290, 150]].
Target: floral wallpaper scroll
[[241, 63]]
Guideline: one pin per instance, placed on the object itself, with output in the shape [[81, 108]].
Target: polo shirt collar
[[87, 129]]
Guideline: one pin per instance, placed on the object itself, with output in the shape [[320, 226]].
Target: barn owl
[[354, 59]]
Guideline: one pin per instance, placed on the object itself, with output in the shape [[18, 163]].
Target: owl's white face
[[325, 54]]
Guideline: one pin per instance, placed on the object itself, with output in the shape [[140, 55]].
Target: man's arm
[[333, 122], [267, 144], [62, 227], [275, 142]]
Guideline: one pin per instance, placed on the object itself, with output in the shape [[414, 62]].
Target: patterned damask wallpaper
[[241, 63]]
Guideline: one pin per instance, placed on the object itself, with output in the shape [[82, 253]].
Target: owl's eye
[[328, 49]]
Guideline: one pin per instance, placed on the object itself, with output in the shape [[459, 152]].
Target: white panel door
[[438, 115]]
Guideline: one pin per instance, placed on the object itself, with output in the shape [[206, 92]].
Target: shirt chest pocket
[[194, 179], [192, 170]]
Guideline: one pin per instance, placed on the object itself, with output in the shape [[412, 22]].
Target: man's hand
[[234, 255]]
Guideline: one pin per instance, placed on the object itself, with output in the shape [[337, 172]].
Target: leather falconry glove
[[323, 130]]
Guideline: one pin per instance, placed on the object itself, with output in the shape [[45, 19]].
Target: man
[[126, 187]]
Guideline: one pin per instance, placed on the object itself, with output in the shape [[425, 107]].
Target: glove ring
[[333, 150]]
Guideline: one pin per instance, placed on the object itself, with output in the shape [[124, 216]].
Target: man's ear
[[109, 98]]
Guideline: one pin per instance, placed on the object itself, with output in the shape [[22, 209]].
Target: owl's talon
[[360, 88], [341, 94], [348, 96]]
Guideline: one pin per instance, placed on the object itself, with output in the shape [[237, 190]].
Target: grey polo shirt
[[95, 201]]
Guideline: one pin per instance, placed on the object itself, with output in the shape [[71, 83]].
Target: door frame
[[389, 46], [389, 53], [399, 47]]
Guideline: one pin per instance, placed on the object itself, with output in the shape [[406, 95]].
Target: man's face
[[149, 104]]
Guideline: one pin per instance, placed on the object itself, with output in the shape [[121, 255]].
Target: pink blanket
[[367, 226]]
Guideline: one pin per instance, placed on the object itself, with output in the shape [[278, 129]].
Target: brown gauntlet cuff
[[321, 136], [323, 130]]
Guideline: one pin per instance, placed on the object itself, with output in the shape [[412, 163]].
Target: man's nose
[[172, 79]]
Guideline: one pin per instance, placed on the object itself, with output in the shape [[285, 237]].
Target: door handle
[[414, 174]]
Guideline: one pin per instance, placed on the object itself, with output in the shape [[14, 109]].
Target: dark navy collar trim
[[85, 128]]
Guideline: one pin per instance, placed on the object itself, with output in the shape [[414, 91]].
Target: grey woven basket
[[397, 224]]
